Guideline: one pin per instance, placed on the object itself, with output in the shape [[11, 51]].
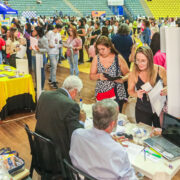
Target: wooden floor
[[12, 133]]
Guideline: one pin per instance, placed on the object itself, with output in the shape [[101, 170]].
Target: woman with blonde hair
[[144, 71], [73, 45], [112, 65]]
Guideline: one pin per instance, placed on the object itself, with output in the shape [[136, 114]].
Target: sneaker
[[62, 58], [54, 85], [49, 81]]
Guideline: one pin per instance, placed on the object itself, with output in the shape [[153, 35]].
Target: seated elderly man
[[95, 152], [58, 116]]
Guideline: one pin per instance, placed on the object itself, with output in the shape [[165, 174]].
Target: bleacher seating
[[48, 7], [135, 8], [87, 6], [164, 8]]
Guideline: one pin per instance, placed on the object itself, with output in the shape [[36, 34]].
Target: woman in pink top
[[73, 45], [159, 57]]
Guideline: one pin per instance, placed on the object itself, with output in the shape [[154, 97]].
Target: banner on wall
[[115, 2], [5, 23], [98, 13]]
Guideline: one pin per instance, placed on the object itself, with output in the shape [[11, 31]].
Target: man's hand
[[120, 139], [82, 116]]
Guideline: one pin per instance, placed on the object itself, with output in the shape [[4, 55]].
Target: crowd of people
[[112, 45]]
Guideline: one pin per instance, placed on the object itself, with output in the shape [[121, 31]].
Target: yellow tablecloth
[[15, 86]]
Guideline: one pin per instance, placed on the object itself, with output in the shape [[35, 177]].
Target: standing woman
[[82, 33], [27, 35], [42, 48], [123, 42], [145, 71], [74, 44], [110, 62], [159, 57], [12, 46], [146, 34]]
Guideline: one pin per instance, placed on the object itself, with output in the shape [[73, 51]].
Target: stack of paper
[[157, 101]]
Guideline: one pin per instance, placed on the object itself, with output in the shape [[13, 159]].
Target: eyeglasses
[[140, 62]]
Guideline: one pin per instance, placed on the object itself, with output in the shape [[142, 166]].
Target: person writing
[[144, 71], [95, 152], [58, 116]]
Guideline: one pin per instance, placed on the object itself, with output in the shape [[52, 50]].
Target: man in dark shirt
[[123, 42], [57, 115], [94, 35]]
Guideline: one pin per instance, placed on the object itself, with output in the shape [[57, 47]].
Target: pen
[[154, 151], [156, 155], [144, 155]]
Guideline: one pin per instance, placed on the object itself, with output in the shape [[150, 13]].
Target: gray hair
[[104, 112], [124, 29], [72, 82]]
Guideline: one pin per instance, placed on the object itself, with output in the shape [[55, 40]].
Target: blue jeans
[[53, 62], [1, 58], [60, 53], [73, 65], [42, 69]]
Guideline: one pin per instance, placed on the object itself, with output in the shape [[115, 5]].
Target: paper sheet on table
[[133, 150], [88, 123], [22, 52], [33, 43], [157, 101]]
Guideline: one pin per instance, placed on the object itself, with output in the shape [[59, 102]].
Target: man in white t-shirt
[[54, 39]]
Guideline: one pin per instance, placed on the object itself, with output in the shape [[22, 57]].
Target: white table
[[151, 169]]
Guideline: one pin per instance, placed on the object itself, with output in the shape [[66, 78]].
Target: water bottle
[[81, 103]]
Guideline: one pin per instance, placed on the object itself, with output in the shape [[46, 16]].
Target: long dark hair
[[105, 31], [105, 41], [82, 24], [40, 31], [28, 29], [49, 27], [18, 26], [155, 43]]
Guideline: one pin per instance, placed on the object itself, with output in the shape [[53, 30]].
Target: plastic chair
[[45, 160], [75, 173]]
